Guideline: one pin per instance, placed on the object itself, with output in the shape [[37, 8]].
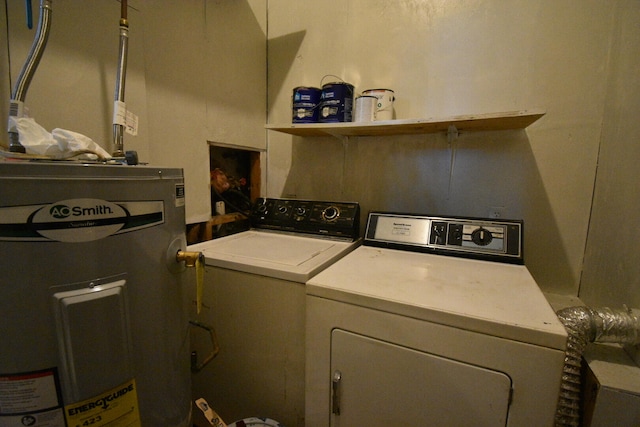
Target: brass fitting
[[189, 258]]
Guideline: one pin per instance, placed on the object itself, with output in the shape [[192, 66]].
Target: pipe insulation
[[585, 325]]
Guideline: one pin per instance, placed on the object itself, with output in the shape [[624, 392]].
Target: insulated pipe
[[585, 325], [119, 109], [16, 105]]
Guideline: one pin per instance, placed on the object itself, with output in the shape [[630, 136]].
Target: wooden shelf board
[[468, 123]]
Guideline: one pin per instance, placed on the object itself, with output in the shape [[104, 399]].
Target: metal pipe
[[19, 93], [119, 109], [585, 325]]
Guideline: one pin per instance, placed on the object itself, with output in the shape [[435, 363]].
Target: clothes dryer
[[254, 297], [433, 321]]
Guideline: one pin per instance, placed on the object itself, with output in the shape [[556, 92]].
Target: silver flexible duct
[[585, 325], [16, 106]]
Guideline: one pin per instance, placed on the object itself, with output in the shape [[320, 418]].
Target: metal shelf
[[468, 123]]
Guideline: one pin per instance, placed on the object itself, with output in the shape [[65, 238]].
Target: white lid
[[255, 422]]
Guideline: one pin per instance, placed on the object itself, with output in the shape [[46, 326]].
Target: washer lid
[[494, 298], [279, 255], [255, 422]]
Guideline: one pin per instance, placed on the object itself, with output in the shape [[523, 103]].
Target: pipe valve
[[190, 258]]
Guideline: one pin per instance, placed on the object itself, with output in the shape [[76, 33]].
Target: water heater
[[93, 306]]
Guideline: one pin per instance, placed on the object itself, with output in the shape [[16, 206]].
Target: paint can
[[336, 102], [384, 107], [305, 103], [365, 110]]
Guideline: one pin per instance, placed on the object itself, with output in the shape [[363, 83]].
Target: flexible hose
[[585, 325], [119, 109], [35, 54], [19, 92]]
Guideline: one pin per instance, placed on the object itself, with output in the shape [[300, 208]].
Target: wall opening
[[234, 178]]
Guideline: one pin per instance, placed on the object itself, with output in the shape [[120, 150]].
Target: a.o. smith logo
[[64, 211], [78, 220]]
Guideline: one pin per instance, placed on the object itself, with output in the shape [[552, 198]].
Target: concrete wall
[[447, 58]]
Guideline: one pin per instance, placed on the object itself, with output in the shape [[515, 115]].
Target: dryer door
[[380, 383]]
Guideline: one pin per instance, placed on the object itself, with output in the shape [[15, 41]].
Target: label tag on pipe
[[119, 113], [131, 124], [125, 118]]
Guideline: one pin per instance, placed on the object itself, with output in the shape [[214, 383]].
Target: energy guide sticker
[[117, 407]]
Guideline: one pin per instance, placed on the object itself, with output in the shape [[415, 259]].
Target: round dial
[[300, 211], [481, 237], [282, 209], [331, 213]]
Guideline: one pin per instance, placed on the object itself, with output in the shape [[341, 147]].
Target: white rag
[[59, 144]]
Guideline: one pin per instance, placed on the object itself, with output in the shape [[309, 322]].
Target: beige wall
[[453, 58], [73, 86], [195, 74], [611, 274]]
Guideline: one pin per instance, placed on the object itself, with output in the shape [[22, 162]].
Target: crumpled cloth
[[59, 144]]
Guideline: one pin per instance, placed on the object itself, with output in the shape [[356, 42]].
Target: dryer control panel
[[489, 239], [331, 219]]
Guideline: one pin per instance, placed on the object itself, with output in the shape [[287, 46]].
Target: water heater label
[[78, 220], [31, 399], [117, 407], [179, 195]]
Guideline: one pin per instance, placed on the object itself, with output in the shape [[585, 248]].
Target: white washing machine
[[254, 298], [434, 321]]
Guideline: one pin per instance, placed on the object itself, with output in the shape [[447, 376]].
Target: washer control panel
[[333, 219], [490, 239]]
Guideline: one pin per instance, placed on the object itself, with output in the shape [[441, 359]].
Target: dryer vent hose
[[585, 325]]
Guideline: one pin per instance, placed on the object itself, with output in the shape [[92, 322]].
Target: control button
[[481, 237], [331, 213], [300, 211], [455, 235], [438, 233], [282, 209]]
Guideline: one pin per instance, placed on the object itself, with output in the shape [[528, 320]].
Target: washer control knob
[[282, 209], [331, 213], [300, 211], [481, 237]]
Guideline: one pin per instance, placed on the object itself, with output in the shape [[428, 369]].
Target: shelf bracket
[[345, 154], [452, 134], [338, 136]]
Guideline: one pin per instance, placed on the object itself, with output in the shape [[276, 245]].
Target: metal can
[[336, 102], [305, 102], [384, 106]]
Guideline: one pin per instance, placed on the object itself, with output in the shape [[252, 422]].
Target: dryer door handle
[[335, 389]]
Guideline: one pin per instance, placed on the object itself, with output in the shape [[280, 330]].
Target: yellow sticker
[[117, 407]]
